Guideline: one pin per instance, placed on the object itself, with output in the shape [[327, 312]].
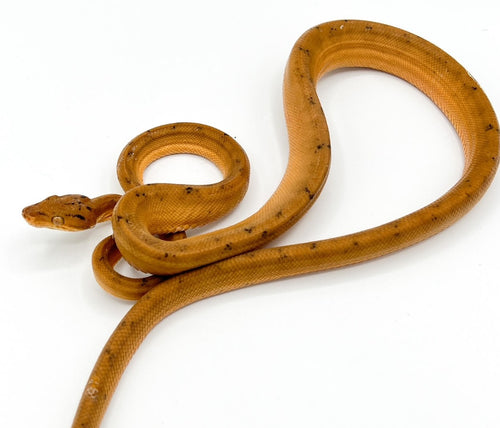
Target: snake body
[[149, 220]]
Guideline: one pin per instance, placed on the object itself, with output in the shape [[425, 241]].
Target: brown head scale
[[67, 212]]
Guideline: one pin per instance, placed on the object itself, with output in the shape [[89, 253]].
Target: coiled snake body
[[149, 221]]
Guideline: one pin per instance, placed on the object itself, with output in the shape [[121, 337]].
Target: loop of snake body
[[149, 221]]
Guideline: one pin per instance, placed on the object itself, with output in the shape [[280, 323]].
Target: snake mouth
[[37, 218]]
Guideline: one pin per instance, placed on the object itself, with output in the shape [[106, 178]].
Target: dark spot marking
[[111, 357], [264, 234], [248, 229], [368, 28], [313, 246], [279, 214], [306, 51], [311, 195], [189, 190], [228, 247], [165, 255]]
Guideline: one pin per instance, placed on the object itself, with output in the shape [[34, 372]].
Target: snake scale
[[150, 221]]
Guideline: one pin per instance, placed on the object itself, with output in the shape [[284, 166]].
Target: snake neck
[[103, 206]]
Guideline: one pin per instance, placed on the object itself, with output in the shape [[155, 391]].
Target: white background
[[410, 340]]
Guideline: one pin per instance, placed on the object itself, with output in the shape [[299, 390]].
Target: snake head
[[68, 212]]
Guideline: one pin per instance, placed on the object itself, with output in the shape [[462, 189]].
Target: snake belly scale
[[150, 221]]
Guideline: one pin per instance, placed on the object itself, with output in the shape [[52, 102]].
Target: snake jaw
[[67, 212]]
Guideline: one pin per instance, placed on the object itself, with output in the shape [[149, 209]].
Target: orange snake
[[149, 220]]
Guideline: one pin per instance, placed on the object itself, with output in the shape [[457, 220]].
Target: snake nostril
[[28, 215]]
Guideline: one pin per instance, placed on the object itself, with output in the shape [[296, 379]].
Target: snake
[[151, 222]]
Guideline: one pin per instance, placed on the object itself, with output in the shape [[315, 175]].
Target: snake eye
[[57, 221]]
